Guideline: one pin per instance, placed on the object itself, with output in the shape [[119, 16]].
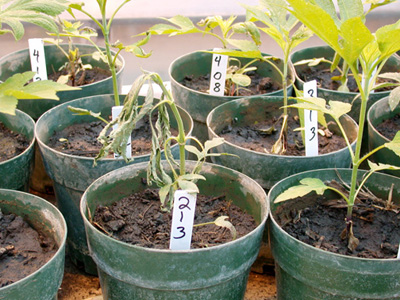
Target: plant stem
[[106, 33]]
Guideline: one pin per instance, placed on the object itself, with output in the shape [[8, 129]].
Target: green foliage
[[236, 75], [16, 88], [72, 30], [361, 50], [37, 12]]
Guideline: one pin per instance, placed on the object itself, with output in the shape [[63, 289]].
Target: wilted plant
[[131, 114]]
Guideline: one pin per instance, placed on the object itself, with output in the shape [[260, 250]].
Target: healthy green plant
[[74, 65], [224, 30], [105, 27], [37, 12], [116, 140], [343, 69], [365, 56], [283, 29]]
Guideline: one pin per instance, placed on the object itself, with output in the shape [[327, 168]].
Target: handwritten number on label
[[313, 133], [218, 59], [182, 220], [181, 230], [310, 93], [183, 206]]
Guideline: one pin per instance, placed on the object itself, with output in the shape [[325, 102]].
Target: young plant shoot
[[236, 76], [39, 13], [105, 26], [365, 56]]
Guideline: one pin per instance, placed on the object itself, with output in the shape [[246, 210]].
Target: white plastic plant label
[[38, 59], [218, 74], [311, 121], [182, 220], [115, 111]]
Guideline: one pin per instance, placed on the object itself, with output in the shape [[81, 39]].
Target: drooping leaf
[[188, 186], [307, 185], [215, 142], [83, 112], [222, 221]]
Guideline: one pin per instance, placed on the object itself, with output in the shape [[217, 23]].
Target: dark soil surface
[[323, 76], [83, 78], [23, 250], [257, 137], [259, 85], [137, 220], [11, 143], [388, 128], [321, 225], [81, 139]]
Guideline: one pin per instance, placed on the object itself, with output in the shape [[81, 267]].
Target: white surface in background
[[168, 8], [143, 91]]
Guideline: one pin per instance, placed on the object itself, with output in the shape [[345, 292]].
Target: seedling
[[39, 13], [236, 74], [74, 64], [105, 27], [368, 53], [284, 31]]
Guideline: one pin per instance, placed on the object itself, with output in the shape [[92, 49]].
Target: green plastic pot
[[16, 171], [72, 174], [44, 283], [199, 104], [132, 272], [19, 62], [392, 65], [267, 169], [305, 272], [379, 112]]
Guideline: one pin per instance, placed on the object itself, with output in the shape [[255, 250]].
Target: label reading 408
[[218, 74]]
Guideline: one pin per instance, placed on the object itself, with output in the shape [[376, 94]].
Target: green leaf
[[391, 75], [8, 104], [241, 79], [356, 36], [318, 20], [83, 112], [394, 98], [338, 108], [37, 12], [307, 185], [350, 9], [380, 167], [394, 145], [387, 39]]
